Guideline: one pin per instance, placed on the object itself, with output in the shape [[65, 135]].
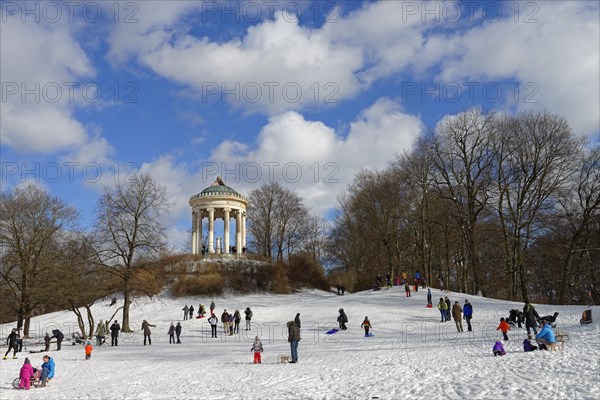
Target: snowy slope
[[412, 355]]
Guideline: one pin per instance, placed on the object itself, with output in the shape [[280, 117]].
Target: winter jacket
[[212, 305], [468, 310], [547, 334], [248, 313], [225, 317], [257, 347], [342, 317], [531, 315], [26, 372], [429, 295], [191, 310], [213, 320], [293, 331], [448, 306], [178, 329], [185, 309], [236, 316], [456, 312], [114, 329], [146, 328], [11, 339], [442, 305], [366, 324], [50, 365], [297, 320], [101, 330], [57, 334], [88, 349], [499, 347], [504, 327], [47, 340], [527, 345], [171, 330]]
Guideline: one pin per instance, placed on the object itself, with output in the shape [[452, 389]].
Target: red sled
[[429, 306], [200, 316]]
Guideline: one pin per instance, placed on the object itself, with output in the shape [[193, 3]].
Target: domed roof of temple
[[219, 187]]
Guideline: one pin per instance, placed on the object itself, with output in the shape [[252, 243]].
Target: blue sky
[[314, 91]]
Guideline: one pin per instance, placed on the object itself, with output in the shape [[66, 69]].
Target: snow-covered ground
[[412, 354]]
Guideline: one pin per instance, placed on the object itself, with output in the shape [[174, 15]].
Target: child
[[504, 327], [257, 348], [366, 325], [88, 350], [527, 346], [26, 374], [498, 349], [407, 289]]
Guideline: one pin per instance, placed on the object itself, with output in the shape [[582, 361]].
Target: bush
[[205, 284]]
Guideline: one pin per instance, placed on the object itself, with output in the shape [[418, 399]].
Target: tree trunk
[[126, 303], [90, 318]]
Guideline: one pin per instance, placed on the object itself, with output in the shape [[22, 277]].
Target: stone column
[[226, 229], [238, 232], [211, 230], [194, 234], [244, 229], [199, 233]]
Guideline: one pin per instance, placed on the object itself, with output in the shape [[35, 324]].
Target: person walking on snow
[[88, 350], [237, 317], [442, 307], [248, 313], [114, 333], [11, 341], [457, 315], [171, 334], [257, 348], [531, 317], [468, 313], [185, 310], [213, 321], [407, 289], [191, 311], [25, 375], [342, 319], [504, 327], [146, 328], [366, 325], [212, 307], [225, 321], [297, 320], [294, 338], [178, 332], [429, 297]]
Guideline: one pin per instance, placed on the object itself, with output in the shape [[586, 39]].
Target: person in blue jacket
[[47, 370], [468, 314], [546, 336]]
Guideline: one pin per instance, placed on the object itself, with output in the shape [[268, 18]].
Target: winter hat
[[529, 337], [257, 338], [27, 361], [466, 301], [456, 302]]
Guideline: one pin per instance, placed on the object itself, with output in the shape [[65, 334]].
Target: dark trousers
[[213, 331], [366, 331], [171, 338], [236, 328], [185, 314], [248, 325], [88, 356], [14, 348], [505, 335], [468, 319], [114, 341], [58, 344], [178, 341], [20, 345], [149, 340]]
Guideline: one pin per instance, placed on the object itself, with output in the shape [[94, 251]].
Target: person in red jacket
[[88, 350], [504, 327]]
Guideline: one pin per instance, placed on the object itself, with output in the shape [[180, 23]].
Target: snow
[[412, 354]]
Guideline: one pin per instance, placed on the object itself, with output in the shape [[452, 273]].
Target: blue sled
[[332, 331]]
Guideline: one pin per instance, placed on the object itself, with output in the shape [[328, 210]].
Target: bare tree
[[129, 227], [535, 156], [463, 156], [31, 222]]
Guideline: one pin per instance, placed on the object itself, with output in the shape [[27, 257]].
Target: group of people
[[28, 372], [455, 312], [341, 289], [545, 338], [417, 281]]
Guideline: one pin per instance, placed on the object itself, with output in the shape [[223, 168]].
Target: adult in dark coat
[[248, 313], [531, 317], [294, 338], [178, 332], [171, 334], [191, 312], [114, 333], [297, 320], [342, 319], [59, 338], [186, 311], [146, 328], [11, 341], [468, 313]]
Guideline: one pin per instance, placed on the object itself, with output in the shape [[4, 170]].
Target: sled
[[369, 335], [332, 331], [429, 305], [200, 316]]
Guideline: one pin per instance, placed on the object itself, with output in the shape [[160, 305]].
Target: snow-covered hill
[[412, 354]]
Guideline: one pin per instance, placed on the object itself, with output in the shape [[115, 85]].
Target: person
[[236, 320], [201, 310], [388, 280], [213, 321], [25, 375], [171, 334], [20, 340], [191, 312], [366, 325], [504, 327], [498, 349], [114, 333], [297, 320], [448, 308], [185, 310], [339, 289], [146, 328], [47, 342], [294, 338], [378, 280], [56, 333], [404, 277], [407, 289], [11, 341], [417, 277], [457, 315], [231, 320], [527, 346], [442, 307], [100, 333], [248, 314], [342, 319], [212, 307], [531, 317], [257, 348], [178, 332], [48, 369], [546, 336], [441, 285], [468, 313], [520, 319], [429, 297], [343, 289], [416, 287], [113, 301], [88, 350], [225, 321]]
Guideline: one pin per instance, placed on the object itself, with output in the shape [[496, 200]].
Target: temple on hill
[[219, 202]]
